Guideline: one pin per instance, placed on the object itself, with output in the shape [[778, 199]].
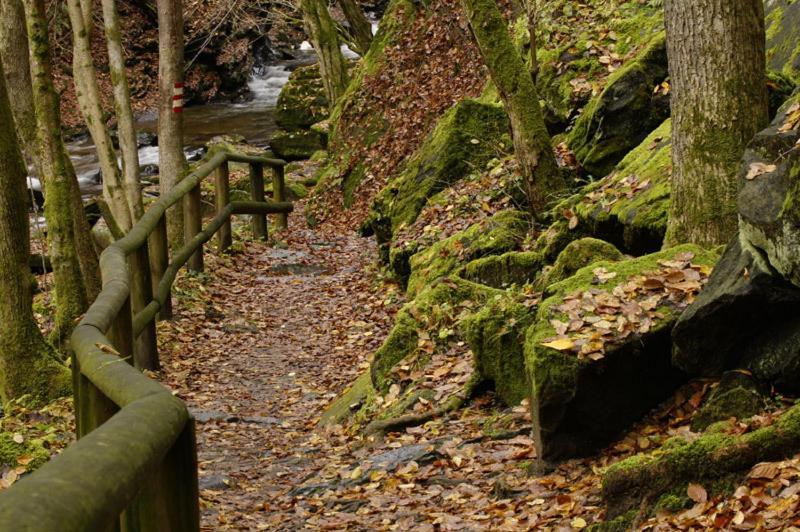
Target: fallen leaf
[[562, 344], [697, 493], [757, 169]]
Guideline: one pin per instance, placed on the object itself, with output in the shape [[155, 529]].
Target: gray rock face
[[747, 315]]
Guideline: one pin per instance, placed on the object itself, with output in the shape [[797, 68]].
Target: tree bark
[[58, 179], [507, 70], [321, 31], [27, 363], [717, 64], [360, 29], [172, 161], [530, 11], [126, 129], [14, 51], [90, 101]]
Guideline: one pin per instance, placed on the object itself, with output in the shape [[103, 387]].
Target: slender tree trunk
[[90, 101], [27, 363], [360, 28], [126, 129], [507, 70], [321, 31], [172, 161], [719, 102], [531, 12], [58, 178]]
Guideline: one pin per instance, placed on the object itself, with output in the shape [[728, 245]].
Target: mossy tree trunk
[[27, 363], [67, 228], [360, 29], [508, 72], [717, 64], [90, 101], [321, 31], [172, 161], [126, 128]]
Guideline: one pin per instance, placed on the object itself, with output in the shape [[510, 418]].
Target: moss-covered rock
[[496, 335], [625, 112], [738, 396], [501, 233], [302, 101], [575, 59], [466, 137], [630, 206], [783, 44], [296, 145], [717, 459], [502, 271], [439, 305], [578, 254], [598, 355]]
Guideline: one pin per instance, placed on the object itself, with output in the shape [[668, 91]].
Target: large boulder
[[598, 355], [625, 112], [746, 317], [297, 145], [302, 101]]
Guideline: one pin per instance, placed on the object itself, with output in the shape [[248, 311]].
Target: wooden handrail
[[135, 462]]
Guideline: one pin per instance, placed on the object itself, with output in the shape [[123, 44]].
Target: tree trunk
[[507, 70], [717, 64], [126, 130], [58, 179], [360, 28], [530, 11], [321, 31], [172, 163], [90, 101], [27, 362], [14, 51]]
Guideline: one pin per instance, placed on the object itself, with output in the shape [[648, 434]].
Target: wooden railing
[[134, 466]]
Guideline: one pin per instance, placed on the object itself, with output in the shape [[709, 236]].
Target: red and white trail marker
[[177, 98]]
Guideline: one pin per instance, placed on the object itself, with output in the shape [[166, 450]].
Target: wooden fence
[[134, 466]]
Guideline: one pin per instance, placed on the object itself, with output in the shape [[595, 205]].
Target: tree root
[[715, 454], [453, 402]]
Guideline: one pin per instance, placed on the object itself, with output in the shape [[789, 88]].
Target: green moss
[[578, 254], [437, 304], [500, 233], [496, 335], [295, 145], [630, 206], [466, 137], [672, 503], [11, 451], [302, 101], [501, 271], [349, 401], [607, 129]]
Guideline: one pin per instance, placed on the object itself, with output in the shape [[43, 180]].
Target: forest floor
[[272, 333]]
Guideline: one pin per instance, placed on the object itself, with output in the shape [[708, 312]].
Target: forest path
[[257, 350]]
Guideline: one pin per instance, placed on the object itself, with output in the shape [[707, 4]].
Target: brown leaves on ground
[[589, 321], [433, 65]]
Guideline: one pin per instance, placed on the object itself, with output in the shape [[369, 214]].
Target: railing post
[[170, 498], [159, 260], [257, 194], [223, 198], [121, 332], [145, 354], [193, 224], [279, 194]]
